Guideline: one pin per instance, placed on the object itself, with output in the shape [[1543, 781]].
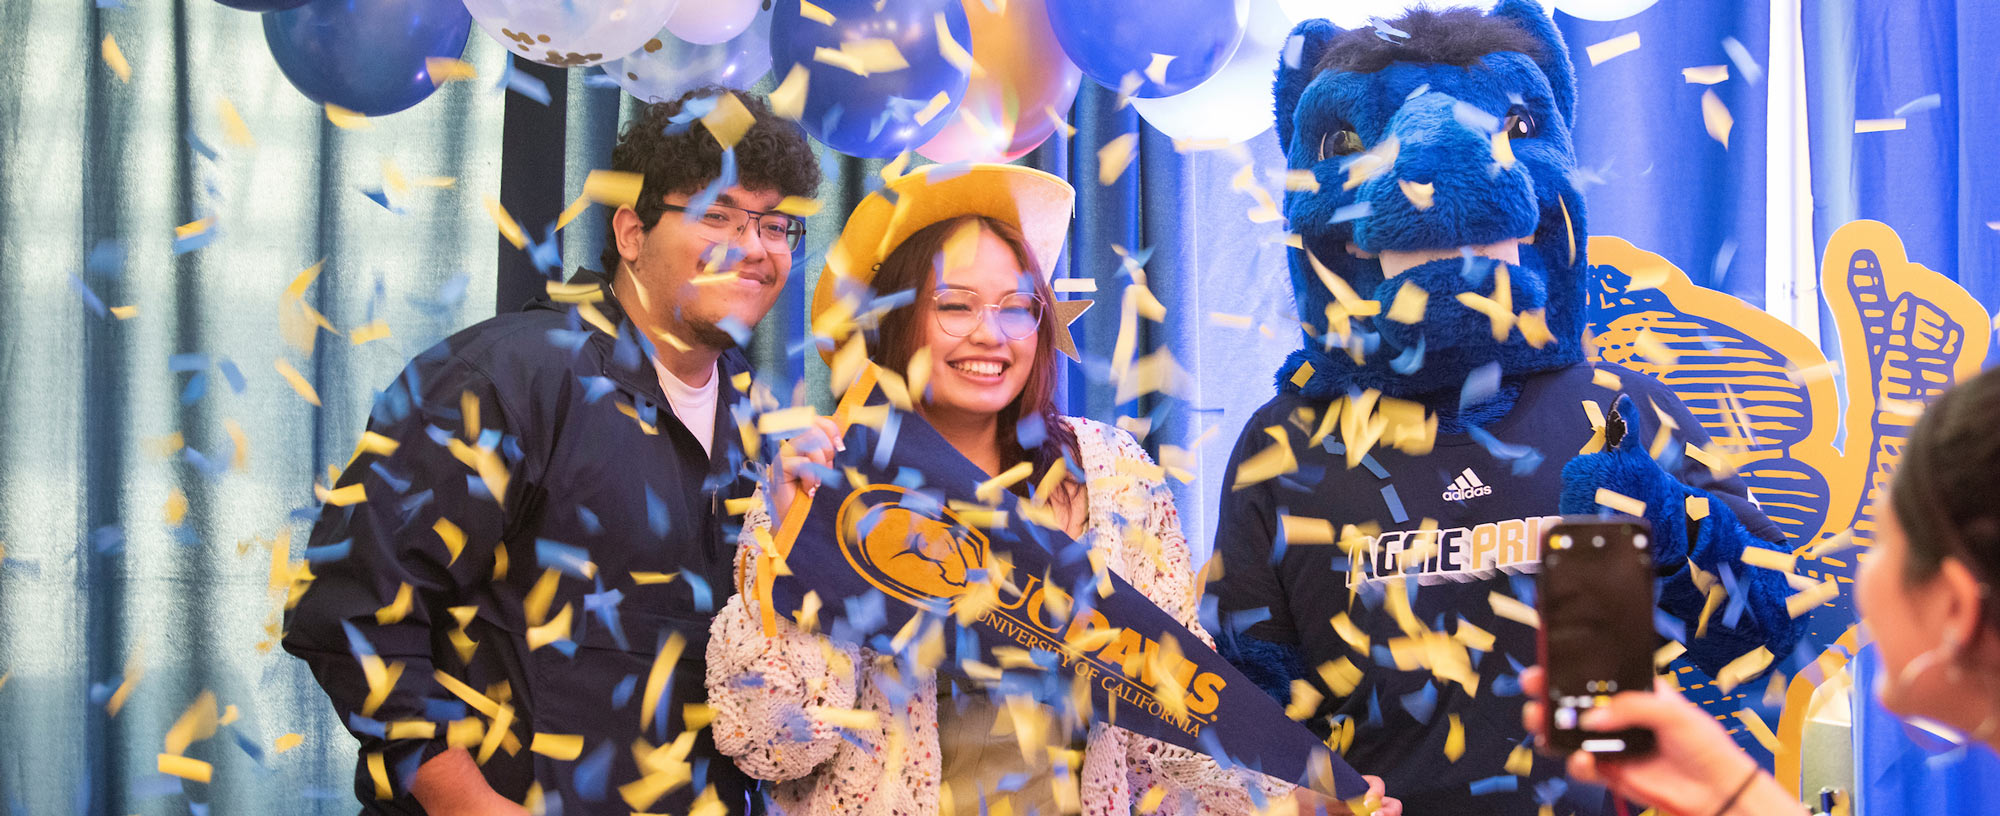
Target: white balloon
[[1235, 104], [707, 22], [1351, 14], [567, 33], [667, 67]]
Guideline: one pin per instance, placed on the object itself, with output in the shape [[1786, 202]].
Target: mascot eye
[[1339, 143], [1521, 125]]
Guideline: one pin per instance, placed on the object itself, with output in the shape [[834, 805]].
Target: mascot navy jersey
[[1488, 520]]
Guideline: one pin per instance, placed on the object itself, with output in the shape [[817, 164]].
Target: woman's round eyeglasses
[[960, 311]]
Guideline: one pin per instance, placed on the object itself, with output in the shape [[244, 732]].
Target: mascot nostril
[[1439, 414]]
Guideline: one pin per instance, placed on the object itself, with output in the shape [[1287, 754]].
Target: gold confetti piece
[[817, 14], [727, 122], [1155, 794], [397, 609], [656, 680], [115, 58], [1512, 609], [447, 69], [287, 742], [1303, 531], [1420, 194], [1372, 163], [1269, 463], [1068, 131], [1755, 724], [1305, 700], [1655, 350], [1454, 740], [1157, 69], [1520, 761], [1769, 559], [412, 729], [124, 312], [194, 228], [1805, 602], [789, 98], [1668, 654], [788, 419], [1621, 502], [509, 228], [193, 770], [176, 508], [1534, 327], [936, 105], [1473, 636], [1715, 116], [872, 55], [346, 119], [378, 771], [799, 206], [197, 723], [1878, 125], [1616, 46], [619, 188], [1697, 509], [233, 126], [1607, 379], [1705, 74], [555, 631], [369, 333], [1503, 151], [954, 53], [849, 718], [1340, 676], [1832, 544], [1410, 303], [989, 491], [1350, 633], [564, 747], [1302, 375], [1743, 668], [1231, 321], [343, 496], [1114, 156]]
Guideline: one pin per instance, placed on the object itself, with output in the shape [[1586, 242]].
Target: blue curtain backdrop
[[1930, 63], [1650, 171]]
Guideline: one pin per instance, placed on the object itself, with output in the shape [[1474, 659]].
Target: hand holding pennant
[[904, 544]]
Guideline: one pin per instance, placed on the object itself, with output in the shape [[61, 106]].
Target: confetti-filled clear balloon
[[666, 66], [567, 33], [1007, 112], [708, 22], [367, 56]]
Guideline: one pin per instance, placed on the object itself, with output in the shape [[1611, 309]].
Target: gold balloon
[[1023, 75]]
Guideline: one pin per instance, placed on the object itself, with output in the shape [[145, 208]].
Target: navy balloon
[[366, 55], [1113, 39], [887, 111], [263, 5]]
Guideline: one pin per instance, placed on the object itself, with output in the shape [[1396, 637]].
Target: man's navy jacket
[[607, 536]]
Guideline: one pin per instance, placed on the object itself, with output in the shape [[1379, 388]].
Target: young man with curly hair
[[510, 586]]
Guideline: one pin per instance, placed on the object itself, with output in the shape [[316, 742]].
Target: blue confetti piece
[[656, 514], [365, 725], [1243, 619], [1374, 709], [725, 178], [568, 559], [107, 259], [475, 487], [195, 143], [1507, 685], [735, 328], [1919, 105], [566, 647], [328, 552], [184, 245], [600, 80], [546, 254], [381, 197], [1031, 431], [249, 746], [232, 374], [525, 84], [1480, 386], [1523, 588], [1745, 63], [197, 387], [1421, 703], [1395, 504], [1381, 655], [1551, 789], [192, 361], [1732, 612], [1667, 625], [397, 484], [886, 444], [439, 710], [589, 519], [1359, 209], [1368, 461], [1505, 783], [108, 540], [90, 299], [622, 693], [593, 772], [704, 600], [596, 387]]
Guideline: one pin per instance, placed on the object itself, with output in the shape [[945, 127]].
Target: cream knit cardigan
[[763, 690]]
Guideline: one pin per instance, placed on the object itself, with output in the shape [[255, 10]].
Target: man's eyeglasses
[[778, 231], [960, 311]]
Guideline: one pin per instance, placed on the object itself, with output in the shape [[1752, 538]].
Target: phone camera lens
[[1597, 541]]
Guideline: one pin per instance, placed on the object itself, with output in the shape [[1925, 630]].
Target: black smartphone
[[1596, 601]]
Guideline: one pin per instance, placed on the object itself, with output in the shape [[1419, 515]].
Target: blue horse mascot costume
[[1382, 514]]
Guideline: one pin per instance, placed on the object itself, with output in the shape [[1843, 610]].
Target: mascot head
[[1440, 144]]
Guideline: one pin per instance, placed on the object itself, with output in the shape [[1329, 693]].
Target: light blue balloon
[[669, 66], [366, 55]]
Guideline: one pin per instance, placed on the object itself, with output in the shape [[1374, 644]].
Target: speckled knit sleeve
[[762, 687]]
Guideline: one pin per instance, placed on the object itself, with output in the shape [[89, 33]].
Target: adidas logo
[[1466, 486]]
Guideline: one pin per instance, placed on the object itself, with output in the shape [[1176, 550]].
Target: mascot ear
[[1298, 63], [1529, 15]]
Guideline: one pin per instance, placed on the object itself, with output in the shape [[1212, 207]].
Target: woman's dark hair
[[1942, 491], [684, 158], [914, 264]]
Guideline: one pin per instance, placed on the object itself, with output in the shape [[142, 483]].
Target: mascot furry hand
[[1441, 411]]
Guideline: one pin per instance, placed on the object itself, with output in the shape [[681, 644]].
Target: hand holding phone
[[1596, 601]]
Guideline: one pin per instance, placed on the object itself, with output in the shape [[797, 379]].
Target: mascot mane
[[1440, 142]]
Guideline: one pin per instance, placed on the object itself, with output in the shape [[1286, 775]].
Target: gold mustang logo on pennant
[[915, 555]]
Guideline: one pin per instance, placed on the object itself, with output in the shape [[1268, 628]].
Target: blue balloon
[[1113, 39], [888, 111], [366, 55], [263, 5]]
